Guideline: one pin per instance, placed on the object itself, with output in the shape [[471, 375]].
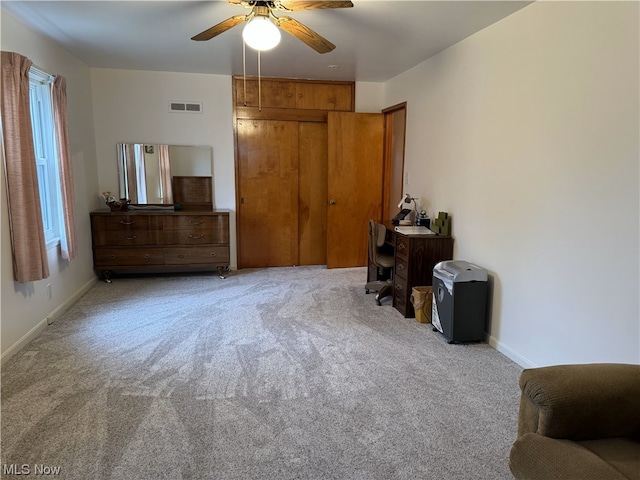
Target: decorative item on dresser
[[146, 240]]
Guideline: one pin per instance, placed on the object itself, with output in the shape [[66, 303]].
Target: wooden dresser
[[159, 240], [415, 257]]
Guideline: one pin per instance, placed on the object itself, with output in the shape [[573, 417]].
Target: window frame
[[42, 125]]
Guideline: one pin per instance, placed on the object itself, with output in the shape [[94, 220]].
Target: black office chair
[[382, 261]]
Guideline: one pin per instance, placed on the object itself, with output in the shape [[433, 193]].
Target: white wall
[[133, 106], [369, 97], [25, 307], [527, 134]]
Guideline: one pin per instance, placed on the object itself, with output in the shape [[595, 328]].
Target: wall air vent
[[185, 107]]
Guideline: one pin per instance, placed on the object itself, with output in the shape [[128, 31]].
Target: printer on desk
[[459, 300]]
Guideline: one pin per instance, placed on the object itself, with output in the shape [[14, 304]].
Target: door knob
[[332, 202]]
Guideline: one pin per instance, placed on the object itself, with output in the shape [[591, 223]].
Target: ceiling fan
[[263, 11]]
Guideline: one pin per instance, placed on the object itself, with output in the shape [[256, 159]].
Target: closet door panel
[[268, 193], [312, 191]]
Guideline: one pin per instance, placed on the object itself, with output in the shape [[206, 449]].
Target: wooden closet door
[[312, 191], [268, 193], [355, 174]]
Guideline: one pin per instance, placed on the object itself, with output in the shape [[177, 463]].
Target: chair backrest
[[377, 233]]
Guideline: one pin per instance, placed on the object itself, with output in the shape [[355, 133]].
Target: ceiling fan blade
[[293, 5], [305, 34], [219, 28]]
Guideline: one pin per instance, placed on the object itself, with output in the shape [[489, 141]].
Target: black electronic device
[[400, 216]]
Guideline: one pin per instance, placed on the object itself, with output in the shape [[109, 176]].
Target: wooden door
[[355, 172], [395, 128], [267, 193], [312, 191]]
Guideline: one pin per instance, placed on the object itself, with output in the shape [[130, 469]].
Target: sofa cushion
[[623, 454], [535, 457]]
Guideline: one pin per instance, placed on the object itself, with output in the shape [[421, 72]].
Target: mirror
[[165, 174]]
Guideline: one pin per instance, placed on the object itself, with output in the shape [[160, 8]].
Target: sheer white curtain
[[141, 173], [131, 169], [165, 174]]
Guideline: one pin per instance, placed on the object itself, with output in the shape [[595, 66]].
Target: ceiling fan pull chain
[[244, 70], [259, 86]]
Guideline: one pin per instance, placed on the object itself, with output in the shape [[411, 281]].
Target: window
[[45, 151]]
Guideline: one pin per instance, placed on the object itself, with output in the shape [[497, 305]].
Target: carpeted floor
[[282, 373]]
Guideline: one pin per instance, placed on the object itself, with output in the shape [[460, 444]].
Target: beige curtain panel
[[25, 217], [68, 242]]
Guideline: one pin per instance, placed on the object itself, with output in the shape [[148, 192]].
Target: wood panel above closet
[[295, 94], [281, 168]]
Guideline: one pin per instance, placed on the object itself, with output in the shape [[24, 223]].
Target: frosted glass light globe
[[261, 34]]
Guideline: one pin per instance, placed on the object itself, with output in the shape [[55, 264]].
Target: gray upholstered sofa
[[578, 422]]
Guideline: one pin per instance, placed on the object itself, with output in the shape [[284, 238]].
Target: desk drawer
[[402, 246], [402, 267], [400, 297]]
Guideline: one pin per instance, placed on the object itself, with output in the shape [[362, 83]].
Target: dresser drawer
[[122, 230], [108, 257], [187, 237], [188, 222], [215, 226], [197, 255]]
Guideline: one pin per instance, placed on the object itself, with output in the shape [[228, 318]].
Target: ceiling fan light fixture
[[261, 34]]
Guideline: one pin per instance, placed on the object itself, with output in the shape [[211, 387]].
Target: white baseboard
[[508, 352], [20, 344], [42, 324], [53, 316]]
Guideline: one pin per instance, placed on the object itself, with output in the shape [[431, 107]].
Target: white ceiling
[[375, 40]]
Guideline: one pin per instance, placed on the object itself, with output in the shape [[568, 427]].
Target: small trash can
[[421, 298]]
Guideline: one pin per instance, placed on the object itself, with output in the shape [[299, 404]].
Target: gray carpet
[[284, 373]]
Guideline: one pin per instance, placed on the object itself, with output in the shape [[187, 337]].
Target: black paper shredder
[[459, 301]]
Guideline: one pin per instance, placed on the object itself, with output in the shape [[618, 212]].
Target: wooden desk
[[415, 256]]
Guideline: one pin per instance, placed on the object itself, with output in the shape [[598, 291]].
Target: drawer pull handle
[[112, 257], [400, 266], [180, 256], [213, 254], [191, 235], [398, 287], [401, 246], [132, 237], [146, 255], [123, 222], [196, 223]]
